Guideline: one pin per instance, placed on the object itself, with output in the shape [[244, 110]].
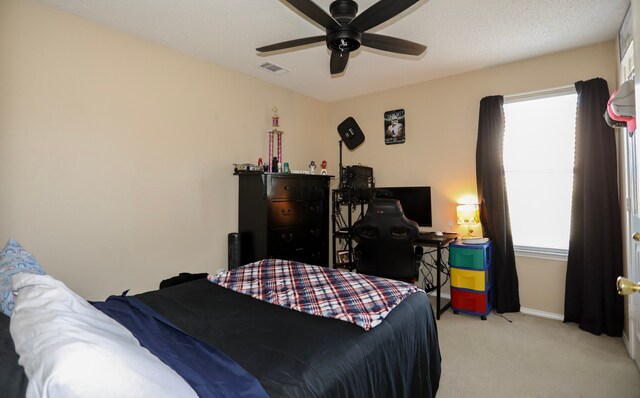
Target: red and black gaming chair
[[385, 239]]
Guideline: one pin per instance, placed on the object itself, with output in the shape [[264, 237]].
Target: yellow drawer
[[467, 279]]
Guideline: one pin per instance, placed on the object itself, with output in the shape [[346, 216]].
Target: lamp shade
[[468, 214]]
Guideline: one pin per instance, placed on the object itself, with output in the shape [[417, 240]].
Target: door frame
[[630, 191], [631, 147]]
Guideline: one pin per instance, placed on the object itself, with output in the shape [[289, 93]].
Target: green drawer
[[470, 256]]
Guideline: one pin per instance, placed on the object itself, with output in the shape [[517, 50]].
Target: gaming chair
[[385, 239]]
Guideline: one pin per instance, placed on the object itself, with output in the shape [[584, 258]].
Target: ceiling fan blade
[[392, 44], [291, 43], [338, 61], [313, 11], [380, 12]]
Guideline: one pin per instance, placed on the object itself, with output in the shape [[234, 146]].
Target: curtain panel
[[595, 244], [494, 207]]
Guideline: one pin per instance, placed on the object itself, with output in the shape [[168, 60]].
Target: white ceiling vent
[[273, 68]]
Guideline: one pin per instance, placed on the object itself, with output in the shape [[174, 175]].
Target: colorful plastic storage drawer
[[468, 279], [468, 256], [478, 303]]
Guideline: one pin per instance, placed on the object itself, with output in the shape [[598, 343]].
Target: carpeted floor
[[530, 357]]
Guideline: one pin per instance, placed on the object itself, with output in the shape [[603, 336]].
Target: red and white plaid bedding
[[361, 299]]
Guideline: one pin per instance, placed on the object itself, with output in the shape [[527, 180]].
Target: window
[[539, 148]]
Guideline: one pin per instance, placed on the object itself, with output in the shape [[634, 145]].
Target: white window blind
[[539, 148]]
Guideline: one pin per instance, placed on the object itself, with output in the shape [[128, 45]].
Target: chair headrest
[[387, 215], [390, 207]]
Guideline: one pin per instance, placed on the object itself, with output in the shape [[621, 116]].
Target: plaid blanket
[[361, 299]]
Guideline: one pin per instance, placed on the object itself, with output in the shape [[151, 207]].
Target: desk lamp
[[468, 215]]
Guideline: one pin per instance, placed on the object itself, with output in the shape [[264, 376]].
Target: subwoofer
[[234, 250]]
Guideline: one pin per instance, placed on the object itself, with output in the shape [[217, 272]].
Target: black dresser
[[284, 216]]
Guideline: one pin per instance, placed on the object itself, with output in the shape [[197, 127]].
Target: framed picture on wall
[[343, 257], [625, 34], [394, 127]]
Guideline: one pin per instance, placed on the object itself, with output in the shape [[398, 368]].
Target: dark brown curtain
[[595, 245], [494, 207]]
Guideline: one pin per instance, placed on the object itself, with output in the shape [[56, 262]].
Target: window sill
[[541, 252]]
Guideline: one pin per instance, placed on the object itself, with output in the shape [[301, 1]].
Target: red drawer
[[478, 303]]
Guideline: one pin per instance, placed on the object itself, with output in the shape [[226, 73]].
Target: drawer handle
[[285, 212], [286, 187], [315, 232], [287, 237]]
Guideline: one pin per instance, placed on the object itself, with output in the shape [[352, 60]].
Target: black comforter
[[293, 354]]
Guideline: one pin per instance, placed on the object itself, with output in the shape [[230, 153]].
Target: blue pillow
[[13, 260]]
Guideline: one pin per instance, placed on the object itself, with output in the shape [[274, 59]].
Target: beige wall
[[442, 123], [116, 154]]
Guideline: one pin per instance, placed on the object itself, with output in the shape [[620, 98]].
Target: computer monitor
[[415, 202]]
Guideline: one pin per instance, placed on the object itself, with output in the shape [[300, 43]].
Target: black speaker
[[350, 133], [234, 250]]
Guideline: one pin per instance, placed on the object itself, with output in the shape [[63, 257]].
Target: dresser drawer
[[315, 255], [468, 279], [300, 243], [306, 234], [314, 189], [285, 188], [295, 212]]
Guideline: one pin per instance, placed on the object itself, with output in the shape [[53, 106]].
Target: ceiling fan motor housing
[[343, 11], [345, 38]]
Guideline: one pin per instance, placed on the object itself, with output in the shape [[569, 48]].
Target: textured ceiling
[[461, 35]]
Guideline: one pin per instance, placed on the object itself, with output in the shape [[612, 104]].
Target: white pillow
[[70, 349]]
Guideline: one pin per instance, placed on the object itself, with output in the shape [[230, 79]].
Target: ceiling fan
[[346, 32]]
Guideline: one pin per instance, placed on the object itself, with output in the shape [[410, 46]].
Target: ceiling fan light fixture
[[343, 40]]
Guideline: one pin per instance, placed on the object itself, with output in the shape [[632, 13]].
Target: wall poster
[[625, 34], [394, 127]]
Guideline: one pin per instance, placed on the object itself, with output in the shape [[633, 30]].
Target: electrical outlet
[[450, 224]]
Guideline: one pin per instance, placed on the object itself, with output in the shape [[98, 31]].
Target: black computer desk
[[430, 239]]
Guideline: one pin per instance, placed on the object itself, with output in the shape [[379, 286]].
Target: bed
[[290, 353]]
